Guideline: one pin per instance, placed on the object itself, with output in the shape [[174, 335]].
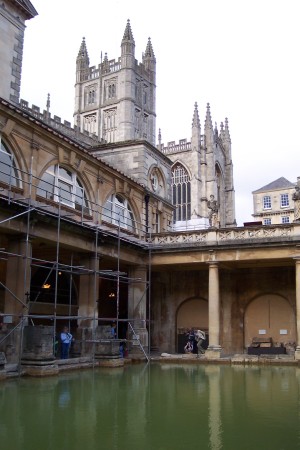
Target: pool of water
[[154, 407]]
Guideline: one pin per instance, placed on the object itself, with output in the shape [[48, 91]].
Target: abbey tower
[[116, 100]]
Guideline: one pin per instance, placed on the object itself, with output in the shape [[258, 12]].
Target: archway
[[270, 316], [192, 313]]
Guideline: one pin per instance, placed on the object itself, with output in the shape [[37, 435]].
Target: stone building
[[273, 203], [88, 233]]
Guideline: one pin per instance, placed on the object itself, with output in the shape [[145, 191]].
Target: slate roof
[[280, 183]]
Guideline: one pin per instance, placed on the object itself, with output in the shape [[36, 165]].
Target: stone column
[[87, 304], [214, 349], [18, 275], [137, 306], [297, 352]]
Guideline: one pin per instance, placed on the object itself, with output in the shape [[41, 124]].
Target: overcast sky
[[240, 56]]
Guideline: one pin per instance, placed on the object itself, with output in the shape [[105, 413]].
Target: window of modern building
[[284, 200], [61, 185], [285, 219], [181, 193], [118, 211], [267, 221], [8, 166], [267, 202]]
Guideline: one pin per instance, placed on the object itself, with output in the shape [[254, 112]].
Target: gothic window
[[181, 193], [109, 126], [118, 212], [90, 123], [90, 95], [110, 90], [61, 185], [284, 200], [267, 202], [8, 170]]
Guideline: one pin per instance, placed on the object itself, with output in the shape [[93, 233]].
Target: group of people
[[195, 341]]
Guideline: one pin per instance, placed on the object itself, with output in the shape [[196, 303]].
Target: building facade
[[273, 204], [88, 235]]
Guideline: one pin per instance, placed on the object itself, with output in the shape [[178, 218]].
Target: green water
[[154, 407]]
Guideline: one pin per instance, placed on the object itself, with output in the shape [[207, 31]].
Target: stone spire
[[128, 44], [149, 53], [149, 57], [226, 131], [196, 130], [196, 120], [208, 126], [82, 61]]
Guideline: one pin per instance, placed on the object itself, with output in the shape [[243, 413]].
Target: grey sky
[[240, 56]]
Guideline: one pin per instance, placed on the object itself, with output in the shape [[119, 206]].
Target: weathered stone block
[[38, 343]]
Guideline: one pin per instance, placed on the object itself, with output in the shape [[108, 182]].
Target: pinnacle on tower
[[226, 132], [82, 60], [208, 121], [128, 44], [149, 53], [196, 120]]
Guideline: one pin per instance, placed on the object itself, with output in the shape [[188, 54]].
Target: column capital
[[213, 263]]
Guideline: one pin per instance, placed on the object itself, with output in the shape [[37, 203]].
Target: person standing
[[66, 339]]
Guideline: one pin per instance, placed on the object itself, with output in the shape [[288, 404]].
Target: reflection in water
[[154, 407], [214, 417]]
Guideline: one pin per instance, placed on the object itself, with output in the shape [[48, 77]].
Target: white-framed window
[[284, 200], [267, 202], [285, 219], [61, 185], [118, 211], [8, 167], [267, 221], [181, 193]]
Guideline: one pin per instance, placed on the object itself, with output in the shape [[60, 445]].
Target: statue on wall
[[212, 205], [296, 198]]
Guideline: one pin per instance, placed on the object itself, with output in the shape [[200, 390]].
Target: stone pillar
[[18, 275], [297, 352], [87, 304], [88, 292], [137, 307], [214, 349]]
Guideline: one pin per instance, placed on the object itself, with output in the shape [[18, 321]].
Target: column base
[[139, 338], [213, 352], [297, 353]]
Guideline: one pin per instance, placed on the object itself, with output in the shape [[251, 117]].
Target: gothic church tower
[[116, 100], [202, 175]]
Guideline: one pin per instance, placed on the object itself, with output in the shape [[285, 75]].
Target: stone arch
[[191, 313], [129, 218], [271, 316], [18, 166]]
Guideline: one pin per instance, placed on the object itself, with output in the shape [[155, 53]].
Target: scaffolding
[[30, 203]]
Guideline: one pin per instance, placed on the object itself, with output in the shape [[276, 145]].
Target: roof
[[27, 7], [280, 183]]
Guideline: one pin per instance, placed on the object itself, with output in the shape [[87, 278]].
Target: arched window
[[117, 211], [181, 193], [61, 185], [8, 167]]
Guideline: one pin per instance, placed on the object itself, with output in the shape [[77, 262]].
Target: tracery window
[[118, 211], [8, 166], [61, 185], [181, 193]]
